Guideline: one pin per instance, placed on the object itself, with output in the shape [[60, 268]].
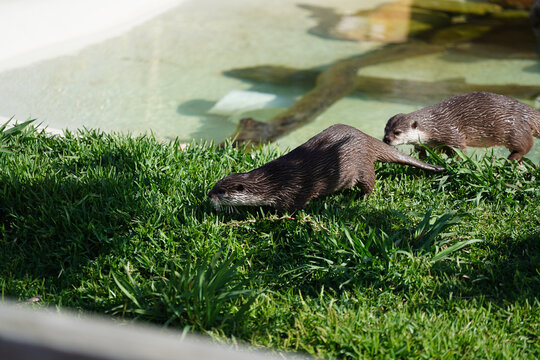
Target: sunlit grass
[[442, 265]]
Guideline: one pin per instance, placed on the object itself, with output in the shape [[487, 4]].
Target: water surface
[[167, 74]]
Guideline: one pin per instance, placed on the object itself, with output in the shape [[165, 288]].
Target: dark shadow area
[[45, 235], [510, 272], [56, 223]]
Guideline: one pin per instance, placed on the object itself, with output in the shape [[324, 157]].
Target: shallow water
[[167, 74]]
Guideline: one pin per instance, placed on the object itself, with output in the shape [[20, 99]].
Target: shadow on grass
[[509, 271], [56, 225], [71, 209]]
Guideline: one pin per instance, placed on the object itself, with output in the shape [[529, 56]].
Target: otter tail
[[388, 153]]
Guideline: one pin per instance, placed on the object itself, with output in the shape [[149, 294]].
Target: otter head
[[237, 190], [401, 129]]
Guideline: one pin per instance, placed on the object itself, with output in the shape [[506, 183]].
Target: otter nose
[[386, 140], [215, 194]]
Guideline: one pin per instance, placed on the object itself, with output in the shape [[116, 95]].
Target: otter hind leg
[[449, 151], [366, 180], [457, 141], [421, 152], [519, 147], [515, 155], [446, 149]]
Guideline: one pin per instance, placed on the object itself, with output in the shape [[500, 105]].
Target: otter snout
[[389, 139], [215, 196]]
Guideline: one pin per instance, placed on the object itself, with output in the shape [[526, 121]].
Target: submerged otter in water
[[478, 119], [338, 158]]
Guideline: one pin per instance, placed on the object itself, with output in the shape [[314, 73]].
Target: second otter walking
[[478, 119]]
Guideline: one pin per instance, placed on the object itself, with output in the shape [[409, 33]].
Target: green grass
[[442, 265]]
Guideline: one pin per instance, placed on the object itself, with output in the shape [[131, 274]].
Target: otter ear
[[393, 118], [414, 125]]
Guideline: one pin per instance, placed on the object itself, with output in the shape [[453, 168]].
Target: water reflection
[[459, 31]]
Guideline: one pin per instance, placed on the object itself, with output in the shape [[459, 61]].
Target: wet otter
[[478, 119], [337, 158]]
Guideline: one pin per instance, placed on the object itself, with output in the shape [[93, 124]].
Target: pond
[[195, 70]]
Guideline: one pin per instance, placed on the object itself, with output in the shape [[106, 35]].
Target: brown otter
[[478, 119], [335, 159]]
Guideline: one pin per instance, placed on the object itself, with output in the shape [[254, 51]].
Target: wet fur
[[479, 119], [338, 158]]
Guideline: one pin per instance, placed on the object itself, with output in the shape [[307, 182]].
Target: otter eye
[[240, 187], [397, 132]]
